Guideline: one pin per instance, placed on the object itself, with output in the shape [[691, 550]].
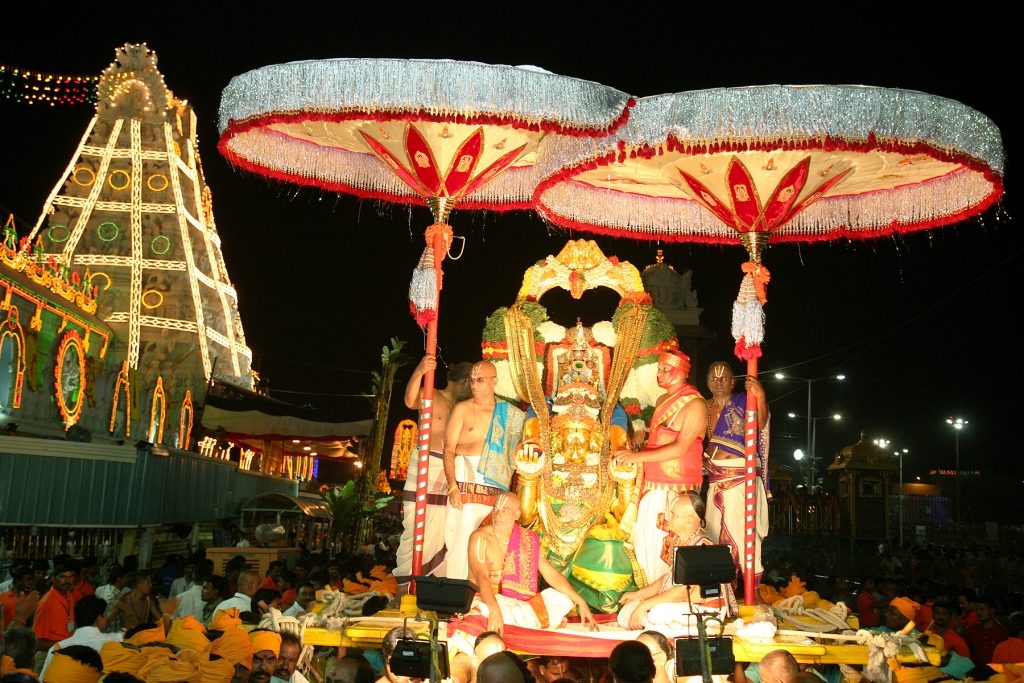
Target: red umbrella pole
[[750, 490], [439, 235]]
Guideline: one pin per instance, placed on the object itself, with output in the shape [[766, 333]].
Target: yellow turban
[[67, 670], [185, 636], [7, 666], [153, 635], [169, 668], [906, 607], [234, 646], [265, 640], [216, 671], [190, 623], [119, 657], [223, 619]]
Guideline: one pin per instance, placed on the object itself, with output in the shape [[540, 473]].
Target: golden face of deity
[[575, 439]]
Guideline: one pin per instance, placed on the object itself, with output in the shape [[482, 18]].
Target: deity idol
[[582, 385]]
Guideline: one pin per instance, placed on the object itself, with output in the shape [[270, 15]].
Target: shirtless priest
[[480, 438], [505, 561]]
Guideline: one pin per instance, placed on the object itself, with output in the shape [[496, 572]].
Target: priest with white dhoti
[[480, 439], [664, 606]]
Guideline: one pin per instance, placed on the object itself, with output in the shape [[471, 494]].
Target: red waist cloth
[[543, 641]]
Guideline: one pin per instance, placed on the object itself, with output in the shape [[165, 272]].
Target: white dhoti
[[647, 538], [433, 530], [726, 510], [521, 613], [477, 502], [672, 619]]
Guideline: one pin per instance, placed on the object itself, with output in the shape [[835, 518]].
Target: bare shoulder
[[699, 403]]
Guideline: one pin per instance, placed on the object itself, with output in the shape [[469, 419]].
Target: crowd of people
[[181, 622], [68, 621]]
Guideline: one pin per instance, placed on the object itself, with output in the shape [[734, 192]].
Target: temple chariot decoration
[[583, 385]]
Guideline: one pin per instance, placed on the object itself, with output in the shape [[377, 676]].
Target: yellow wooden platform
[[369, 632]]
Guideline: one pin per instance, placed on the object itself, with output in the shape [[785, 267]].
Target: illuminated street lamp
[[798, 455], [957, 423], [899, 453], [813, 461], [810, 384]]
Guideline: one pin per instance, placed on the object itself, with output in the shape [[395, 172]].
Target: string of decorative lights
[[26, 86]]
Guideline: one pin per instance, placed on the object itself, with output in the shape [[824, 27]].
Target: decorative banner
[[405, 444]]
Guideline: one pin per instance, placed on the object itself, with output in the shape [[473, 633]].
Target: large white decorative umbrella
[[785, 163], [435, 132]]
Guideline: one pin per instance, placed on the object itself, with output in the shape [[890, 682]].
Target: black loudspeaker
[[412, 658], [444, 596], [688, 656], [703, 565]]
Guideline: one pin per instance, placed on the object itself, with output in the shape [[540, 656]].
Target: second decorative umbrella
[[785, 163]]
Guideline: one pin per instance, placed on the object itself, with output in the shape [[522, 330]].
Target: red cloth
[[924, 616], [983, 641], [53, 614], [542, 641], [287, 599], [269, 583], [8, 603], [1010, 651], [866, 614], [687, 471], [967, 620], [81, 590], [954, 643]]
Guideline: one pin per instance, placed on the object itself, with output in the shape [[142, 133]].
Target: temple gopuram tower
[[133, 213]]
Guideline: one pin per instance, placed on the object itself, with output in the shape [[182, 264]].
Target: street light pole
[[902, 505], [810, 422], [812, 441], [810, 434], [957, 423]]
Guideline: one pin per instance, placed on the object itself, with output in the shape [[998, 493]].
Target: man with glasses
[[482, 434]]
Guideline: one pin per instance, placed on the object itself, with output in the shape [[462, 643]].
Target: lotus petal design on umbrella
[[464, 130], [434, 132], [831, 161]]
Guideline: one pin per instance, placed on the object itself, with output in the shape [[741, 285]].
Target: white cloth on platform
[[433, 557], [521, 613]]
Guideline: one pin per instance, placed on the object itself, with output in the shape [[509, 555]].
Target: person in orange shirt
[[21, 585], [1011, 650], [55, 614], [968, 615], [942, 625], [274, 571], [867, 601], [86, 579]]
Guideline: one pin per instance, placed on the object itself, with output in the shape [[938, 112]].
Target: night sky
[[923, 325]]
